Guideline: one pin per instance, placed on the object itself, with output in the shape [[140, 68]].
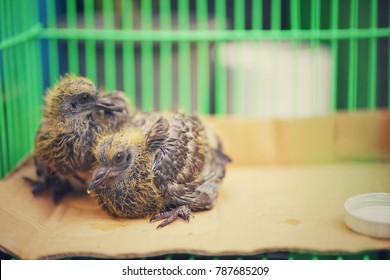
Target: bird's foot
[[183, 212], [57, 188], [37, 186], [59, 191]]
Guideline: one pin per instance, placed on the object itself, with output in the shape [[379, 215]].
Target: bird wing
[[112, 119], [204, 192], [186, 168]]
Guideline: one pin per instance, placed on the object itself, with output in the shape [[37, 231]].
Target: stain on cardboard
[[292, 222]]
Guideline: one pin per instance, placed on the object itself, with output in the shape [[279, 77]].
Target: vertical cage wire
[[373, 54], [54, 68], [276, 9], [128, 52], [203, 57], [16, 93], [3, 139], [6, 112], [295, 24], [334, 15], [147, 59], [239, 24], [109, 47], [184, 58], [165, 58], [257, 24], [33, 68], [353, 57], [90, 45], [73, 50], [21, 119], [220, 71], [315, 15], [36, 88]]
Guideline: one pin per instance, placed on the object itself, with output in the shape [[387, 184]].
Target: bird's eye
[[84, 98], [119, 157]]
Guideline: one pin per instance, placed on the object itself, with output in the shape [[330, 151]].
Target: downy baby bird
[[164, 165], [74, 114]]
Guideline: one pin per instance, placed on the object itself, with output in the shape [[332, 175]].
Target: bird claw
[[37, 186], [162, 215], [58, 190], [183, 212]]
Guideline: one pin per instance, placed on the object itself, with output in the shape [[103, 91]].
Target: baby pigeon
[[165, 165], [75, 113]]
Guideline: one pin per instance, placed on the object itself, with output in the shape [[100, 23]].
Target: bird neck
[[83, 123]]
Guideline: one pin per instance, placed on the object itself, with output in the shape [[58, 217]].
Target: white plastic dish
[[369, 214]]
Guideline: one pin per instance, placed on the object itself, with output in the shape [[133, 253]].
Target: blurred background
[[259, 58]]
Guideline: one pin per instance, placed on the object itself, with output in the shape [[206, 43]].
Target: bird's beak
[[98, 176], [106, 104]]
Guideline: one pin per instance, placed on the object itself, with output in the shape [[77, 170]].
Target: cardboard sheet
[[268, 201]]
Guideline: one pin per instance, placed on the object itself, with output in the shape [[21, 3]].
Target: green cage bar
[[276, 8], [21, 82], [334, 16], [220, 70], [31, 60], [15, 93], [315, 14], [6, 61], [257, 14], [37, 76], [128, 52], [239, 24], [257, 24], [29, 80], [36, 57], [54, 68], [373, 54], [109, 47], [184, 57], [353, 63], [147, 56], [90, 45], [3, 139], [165, 58], [203, 56], [295, 17], [73, 50]]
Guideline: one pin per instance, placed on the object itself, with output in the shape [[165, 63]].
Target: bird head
[[116, 154], [72, 96]]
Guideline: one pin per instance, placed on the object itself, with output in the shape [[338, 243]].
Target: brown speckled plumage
[[163, 165], [74, 114]]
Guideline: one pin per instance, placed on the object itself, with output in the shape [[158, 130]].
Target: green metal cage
[[194, 55]]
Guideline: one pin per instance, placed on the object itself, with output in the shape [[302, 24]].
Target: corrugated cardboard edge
[[195, 252]]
